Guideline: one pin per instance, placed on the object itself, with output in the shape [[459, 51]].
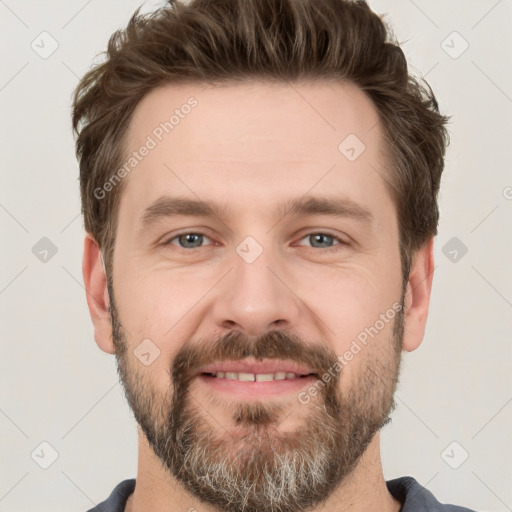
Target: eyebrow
[[167, 206]]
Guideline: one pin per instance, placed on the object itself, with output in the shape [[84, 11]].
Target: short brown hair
[[207, 41]]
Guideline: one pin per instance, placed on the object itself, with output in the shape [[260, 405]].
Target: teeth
[[259, 377], [246, 377], [263, 377]]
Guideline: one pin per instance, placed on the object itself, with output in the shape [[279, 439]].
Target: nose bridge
[[254, 298]]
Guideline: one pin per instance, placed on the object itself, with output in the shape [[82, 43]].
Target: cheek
[[149, 299], [368, 360], [159, 312], [349, 298], [360, 309]]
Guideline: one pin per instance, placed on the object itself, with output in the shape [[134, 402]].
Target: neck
[[363, 491]]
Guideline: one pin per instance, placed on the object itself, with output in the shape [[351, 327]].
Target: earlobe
[[417, 297], [95, 282]]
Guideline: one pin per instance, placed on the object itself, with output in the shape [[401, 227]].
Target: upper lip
[[271, 366]]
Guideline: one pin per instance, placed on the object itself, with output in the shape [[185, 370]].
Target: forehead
[[261, 138], [254, 115]]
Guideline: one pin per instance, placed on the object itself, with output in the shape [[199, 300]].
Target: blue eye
[[188, 240], [194, 240], [322, 239]]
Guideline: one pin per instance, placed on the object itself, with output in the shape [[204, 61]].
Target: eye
[[191, 240], [194, 240], [324, 241]]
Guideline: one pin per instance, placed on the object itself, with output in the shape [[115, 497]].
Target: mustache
[[236, 346]]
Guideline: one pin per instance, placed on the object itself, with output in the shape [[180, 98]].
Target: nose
[[257, 297]]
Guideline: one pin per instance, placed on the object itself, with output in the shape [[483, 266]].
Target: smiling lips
[[256, 380], [246, 371]]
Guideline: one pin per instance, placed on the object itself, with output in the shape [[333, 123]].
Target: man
[[259, 183]]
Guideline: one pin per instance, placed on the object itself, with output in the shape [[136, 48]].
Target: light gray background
[[58, 387]]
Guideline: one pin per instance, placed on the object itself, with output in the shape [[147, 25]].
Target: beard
[[247, 464]]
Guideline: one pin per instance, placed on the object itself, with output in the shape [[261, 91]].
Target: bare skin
[[251, 147]]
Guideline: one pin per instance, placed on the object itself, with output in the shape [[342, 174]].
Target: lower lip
[[256, 389]]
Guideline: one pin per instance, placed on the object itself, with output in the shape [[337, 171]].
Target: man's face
[[258, 289]]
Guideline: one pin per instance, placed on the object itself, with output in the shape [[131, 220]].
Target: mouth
[[256, 379], [256, 371]]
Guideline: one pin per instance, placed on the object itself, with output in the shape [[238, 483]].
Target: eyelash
[[342, 243]]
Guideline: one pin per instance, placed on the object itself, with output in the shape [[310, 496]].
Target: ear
[[95, 281], [417, 297]]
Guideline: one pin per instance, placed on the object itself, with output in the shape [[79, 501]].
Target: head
[[285, 121]]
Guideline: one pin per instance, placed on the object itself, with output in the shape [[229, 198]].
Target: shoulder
[[415, 497], [117, 499]]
